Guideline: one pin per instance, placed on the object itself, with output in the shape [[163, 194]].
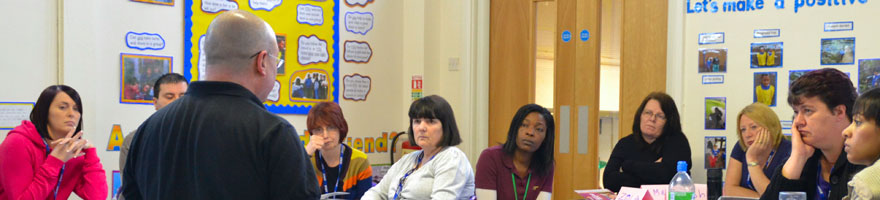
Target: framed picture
[[138, 73], [716, 107], [282, 52], [309, 86], [765, 55], [795, 74], [838, 51], [716, 152], [765, 88], [869, 74], [713, 60]]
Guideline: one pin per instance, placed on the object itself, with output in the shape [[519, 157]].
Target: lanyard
[[823, 187], [60, 175], [514, 186], [400, 183], [766, 164], [338, 175]]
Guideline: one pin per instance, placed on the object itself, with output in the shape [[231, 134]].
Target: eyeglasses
[[659, 116], [280, 61], [320, 131]]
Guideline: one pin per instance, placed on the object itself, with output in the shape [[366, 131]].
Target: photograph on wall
[[282, 52], [766, 55], [795, 74], [838, 51], [869, 74], [716, 152], [765, 88], [713, 60], [138, 74], [715, 112], [309, 86]]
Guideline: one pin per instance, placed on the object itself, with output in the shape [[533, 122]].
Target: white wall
[[801, 33]]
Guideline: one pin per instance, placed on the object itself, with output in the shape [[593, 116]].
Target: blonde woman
[[761, 148]]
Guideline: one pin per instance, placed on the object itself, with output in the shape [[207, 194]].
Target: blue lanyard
[[338, 175], [60, 175], [400, 183], [823, 186], [766, 164]]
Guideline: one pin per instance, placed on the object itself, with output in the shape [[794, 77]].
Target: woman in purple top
[[521, 168], [761, 148]]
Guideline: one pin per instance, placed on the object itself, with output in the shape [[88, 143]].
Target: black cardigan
[[842, 172], [632, 165]]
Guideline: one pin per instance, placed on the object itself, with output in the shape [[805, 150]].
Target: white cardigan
[[448, 176]]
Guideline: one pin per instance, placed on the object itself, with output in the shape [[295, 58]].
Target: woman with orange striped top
[[340, 169]]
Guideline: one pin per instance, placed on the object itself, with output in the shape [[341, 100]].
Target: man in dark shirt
[[822, 101], [218, 141]]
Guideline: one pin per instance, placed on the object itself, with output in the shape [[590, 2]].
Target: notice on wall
[[711, 38], [359, 22], [11, 113], [356, 87], [144, 41], [357, 52], [416, 87]]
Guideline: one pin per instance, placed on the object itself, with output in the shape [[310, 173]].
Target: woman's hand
[[315, 142], [68, 147], [800, 152], [760, 150]]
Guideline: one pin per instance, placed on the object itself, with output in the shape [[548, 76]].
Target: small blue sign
[[566, 36], [585, 35]]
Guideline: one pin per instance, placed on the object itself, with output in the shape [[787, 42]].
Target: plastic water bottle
[[681, 187]]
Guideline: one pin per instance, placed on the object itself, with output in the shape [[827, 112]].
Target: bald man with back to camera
[[219, 141]]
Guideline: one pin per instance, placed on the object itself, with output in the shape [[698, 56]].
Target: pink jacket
[[27, 172]]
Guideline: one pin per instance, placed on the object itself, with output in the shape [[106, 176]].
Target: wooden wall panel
[[643, 56], [510, 54]]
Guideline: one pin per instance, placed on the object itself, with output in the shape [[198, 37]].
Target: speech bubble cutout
[[361, 3], [144, 41], [357, 87], [359, 22], [266, 5], [215, 6], [275, 93], [312, 50], [203, 60], [309, 14], [357, 52]]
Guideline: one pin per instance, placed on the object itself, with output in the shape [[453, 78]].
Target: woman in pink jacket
[[44, 159]]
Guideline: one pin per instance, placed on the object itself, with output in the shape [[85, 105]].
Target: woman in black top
[[650, 154]]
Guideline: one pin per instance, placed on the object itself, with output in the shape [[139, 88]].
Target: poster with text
[[306, 33]]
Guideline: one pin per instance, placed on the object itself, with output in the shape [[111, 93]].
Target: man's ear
[[840, 112], [259, 67]]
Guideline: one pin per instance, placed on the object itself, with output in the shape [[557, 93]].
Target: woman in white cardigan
[[439, 170]]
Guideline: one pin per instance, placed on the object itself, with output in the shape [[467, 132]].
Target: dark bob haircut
[[435, 107], [673, 121], [542, 160], [166, 79], [868, 105], [327, 114], [40, 113], [830, 85]]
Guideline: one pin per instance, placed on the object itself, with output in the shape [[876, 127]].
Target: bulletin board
[[307, 34]]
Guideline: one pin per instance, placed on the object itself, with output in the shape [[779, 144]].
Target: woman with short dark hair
[[650, 154], [438, 171], [46, 158], [524, 162]]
